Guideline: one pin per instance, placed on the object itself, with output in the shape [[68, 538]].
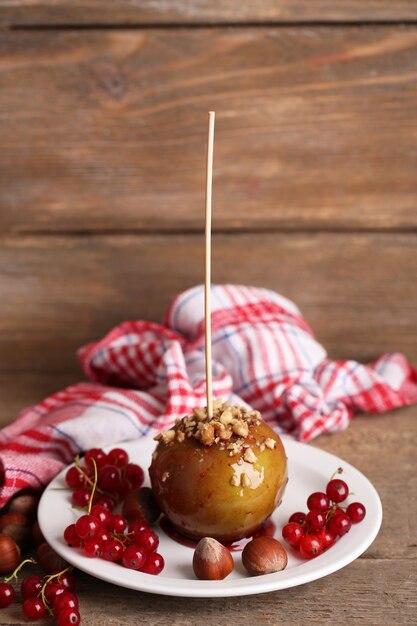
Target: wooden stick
[[207, 273]]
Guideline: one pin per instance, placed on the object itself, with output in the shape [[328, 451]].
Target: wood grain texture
[[18, 391], [29, 12], [58, 292], [316, 128]]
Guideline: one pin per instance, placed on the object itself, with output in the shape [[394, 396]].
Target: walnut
[[240, 428], [245, 480], [168, 436], [249, 455], [207, 435]]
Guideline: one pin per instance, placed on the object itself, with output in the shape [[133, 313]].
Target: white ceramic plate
[[309, 469]]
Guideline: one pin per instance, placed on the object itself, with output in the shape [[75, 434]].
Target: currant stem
[[86, 476], [48, 580], [90, 502], [18, 568], [338, 471]]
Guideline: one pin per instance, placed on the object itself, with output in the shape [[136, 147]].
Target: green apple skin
[[192, 485]]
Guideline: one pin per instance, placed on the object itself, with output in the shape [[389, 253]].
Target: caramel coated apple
[[219, 478]]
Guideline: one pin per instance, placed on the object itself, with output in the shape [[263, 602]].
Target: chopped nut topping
[[229, 428], [245, 480], [234, 481], [201, 414], [240, 428], [207, 435], [270, 443], [249, 455], [226, 417], [165, 476]]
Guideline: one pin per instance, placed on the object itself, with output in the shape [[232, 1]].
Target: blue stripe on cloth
[[23, 471], [194, 292], [294, 370], [61, 432]]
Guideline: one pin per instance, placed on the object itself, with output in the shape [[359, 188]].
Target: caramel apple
[[219, 477]]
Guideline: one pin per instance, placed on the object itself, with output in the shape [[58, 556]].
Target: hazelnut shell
[[264, 555], [211, 560]]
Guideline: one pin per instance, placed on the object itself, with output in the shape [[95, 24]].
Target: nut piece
[[264, 555], [211, 560], [249, 455], [207, 435]]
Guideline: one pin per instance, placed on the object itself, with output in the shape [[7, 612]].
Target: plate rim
[[176, 587]]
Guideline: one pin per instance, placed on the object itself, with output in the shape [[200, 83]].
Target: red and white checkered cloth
[[144, 376]]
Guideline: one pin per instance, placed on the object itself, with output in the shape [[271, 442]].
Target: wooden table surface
[[103, 108], [378, 588]]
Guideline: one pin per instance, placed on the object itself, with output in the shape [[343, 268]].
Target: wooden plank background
[[316, 128], [120, 12], [103, 109]]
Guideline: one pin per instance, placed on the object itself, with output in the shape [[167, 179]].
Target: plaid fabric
[[143, 376]]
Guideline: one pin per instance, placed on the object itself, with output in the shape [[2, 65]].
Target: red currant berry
[[340, 523], [135, 474], [105, 501], [113, 550], [138, 526], [74, 478], [318, 501], [68, 580], [81, 497], [92, 548], [33, 608], [66, 600], [298, 518], [134, 557], [154, 564], [31, 586], [356, 512], [147, 540], [52, 590], [310, 546], [86, 526], [292, 533], [118, 457], [99, 456], [100, 512], [109, 478], [69, 617], [124, 489], [315, 520], [7, 595], [116, 524], [71, 537], [337, 490], [326, 537], [102, 535]]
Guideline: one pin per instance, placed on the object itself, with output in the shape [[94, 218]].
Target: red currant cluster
[[116, 477], [316, 531], [53, 594], [104, 480], [103, 535]]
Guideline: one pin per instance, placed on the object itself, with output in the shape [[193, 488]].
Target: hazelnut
[[264, 555], [18, 526], [24, 503], [49, 560], [212, 561]]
